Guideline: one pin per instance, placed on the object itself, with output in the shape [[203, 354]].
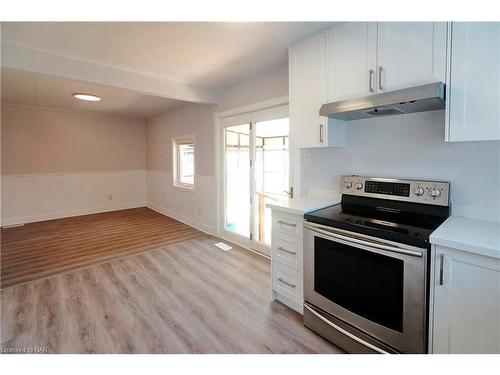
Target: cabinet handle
[[287, 283], [286, 251], [441, 269], [321, 133], [285, 223], [370, 81], [380, 71]]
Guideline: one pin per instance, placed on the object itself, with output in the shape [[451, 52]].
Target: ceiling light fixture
[[88, 97]]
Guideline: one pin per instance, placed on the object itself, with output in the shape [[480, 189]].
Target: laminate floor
[[187, 297], [46, 248]]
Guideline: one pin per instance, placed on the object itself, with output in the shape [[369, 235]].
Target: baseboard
[[183, 219], [63, 214]]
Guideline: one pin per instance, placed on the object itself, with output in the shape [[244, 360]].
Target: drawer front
[[288, 223], [287, 250], [288, 282]]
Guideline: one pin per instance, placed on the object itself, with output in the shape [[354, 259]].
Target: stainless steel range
[[366, 261]]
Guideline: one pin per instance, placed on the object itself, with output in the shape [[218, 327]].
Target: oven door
[[374, 285]]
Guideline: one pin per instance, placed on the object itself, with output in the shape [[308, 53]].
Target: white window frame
[[176, 142]]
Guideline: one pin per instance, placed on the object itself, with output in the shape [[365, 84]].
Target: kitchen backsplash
[[412, 146]]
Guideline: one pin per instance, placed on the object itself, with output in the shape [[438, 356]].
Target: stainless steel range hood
[[423, 98]]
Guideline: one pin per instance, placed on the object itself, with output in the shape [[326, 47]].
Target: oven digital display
[[388, 188]]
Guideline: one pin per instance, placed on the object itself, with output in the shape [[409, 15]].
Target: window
[[183, 159]]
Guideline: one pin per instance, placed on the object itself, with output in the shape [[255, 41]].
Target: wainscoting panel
[[28, 198], [196, 208]]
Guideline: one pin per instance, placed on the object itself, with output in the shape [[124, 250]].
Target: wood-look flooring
[[46, 248], [188, 297]]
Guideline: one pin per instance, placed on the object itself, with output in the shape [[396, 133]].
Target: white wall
[[267, 85], [412, 146], [35, 197]]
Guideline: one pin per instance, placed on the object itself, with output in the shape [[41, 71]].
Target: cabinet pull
[[321, 133], [286, 251], [285, 223], [380, 71], [441, 269], [287, 283], [370, 80]]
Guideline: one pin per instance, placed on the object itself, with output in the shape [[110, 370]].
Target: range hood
[[423, 98]]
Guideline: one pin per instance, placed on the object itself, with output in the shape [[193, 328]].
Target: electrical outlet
[[199, 210], [110, 197]]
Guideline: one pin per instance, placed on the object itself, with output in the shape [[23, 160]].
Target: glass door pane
[[237, 179], [271, 173]]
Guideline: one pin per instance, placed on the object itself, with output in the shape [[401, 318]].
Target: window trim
[[176, 142]]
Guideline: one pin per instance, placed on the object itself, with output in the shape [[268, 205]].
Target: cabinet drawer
[[287, 250], [288, 282], [288, 223]]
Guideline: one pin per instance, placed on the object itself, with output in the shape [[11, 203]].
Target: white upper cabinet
[[365, 58], [307, 80], [473, 89], [351, 60], [410, 54]]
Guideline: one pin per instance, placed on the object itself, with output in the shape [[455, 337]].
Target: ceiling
[[34, 89], [207, 54]]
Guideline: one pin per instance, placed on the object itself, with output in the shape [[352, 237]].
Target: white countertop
[[302, 205], [471, 235]]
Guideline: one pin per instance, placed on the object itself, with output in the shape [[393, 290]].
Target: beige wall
[[43, 140], [198, 207], [194, 119]]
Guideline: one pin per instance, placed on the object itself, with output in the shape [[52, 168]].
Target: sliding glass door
[[237, 177], [255, 172], [271, 174]]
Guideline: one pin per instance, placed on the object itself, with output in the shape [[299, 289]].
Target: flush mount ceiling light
[[88, 97]]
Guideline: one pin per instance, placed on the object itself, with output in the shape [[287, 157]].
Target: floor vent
[[223, 246]]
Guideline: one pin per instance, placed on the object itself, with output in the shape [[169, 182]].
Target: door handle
[[370, 80], [380, 71], [286, 251], [352, 240], [287, 283], [285, 223], [289, 193], [343, 331], [441, 269]]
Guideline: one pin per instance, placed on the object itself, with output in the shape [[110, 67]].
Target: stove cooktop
[[403, 222]]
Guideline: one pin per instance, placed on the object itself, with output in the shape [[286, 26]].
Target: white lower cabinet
[[286, 259], [465, 313]]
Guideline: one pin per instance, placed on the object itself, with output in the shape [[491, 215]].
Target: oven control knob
[[348, 184], [435, 192], [359, 186], [419, 191]]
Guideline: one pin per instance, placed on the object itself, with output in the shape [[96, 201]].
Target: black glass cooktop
[[404, 222]]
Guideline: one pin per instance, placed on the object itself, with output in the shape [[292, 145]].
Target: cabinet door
[[410, 53], [466, 303], [351, 55], [474, 82], [307, 70]]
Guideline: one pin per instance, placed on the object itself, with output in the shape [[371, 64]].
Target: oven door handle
[[368, 243], [343, 331]]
